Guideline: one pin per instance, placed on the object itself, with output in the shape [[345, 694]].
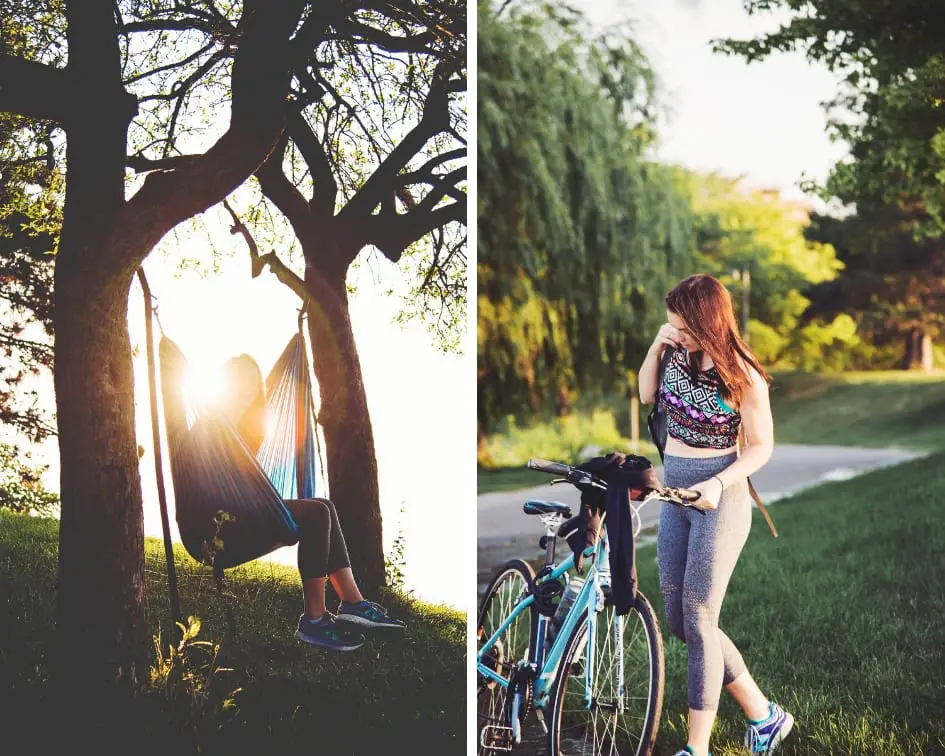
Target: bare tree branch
[[392, 235], [141, 164], [325, 190], [35, 90], [259, 262], [259, 83], [384, 180], [171, 66], [283, 193]]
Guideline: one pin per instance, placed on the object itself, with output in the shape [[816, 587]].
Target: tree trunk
[[349, 438], [918, 351], [102, 637], [101, 614]]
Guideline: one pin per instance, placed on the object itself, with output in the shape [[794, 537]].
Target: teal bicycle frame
[[546, 662]]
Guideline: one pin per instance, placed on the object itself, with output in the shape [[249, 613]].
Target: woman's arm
[[758, 427], [649, 376]]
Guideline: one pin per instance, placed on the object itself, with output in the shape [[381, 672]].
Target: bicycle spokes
[[607, 695], [502, 658]]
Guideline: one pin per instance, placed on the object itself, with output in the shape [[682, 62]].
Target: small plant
[[209, 550], [185, 673], [396, 560]]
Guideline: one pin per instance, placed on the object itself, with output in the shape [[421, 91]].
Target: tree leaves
[[580, 236]]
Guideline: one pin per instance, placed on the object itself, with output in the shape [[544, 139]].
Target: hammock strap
[[149, 310]]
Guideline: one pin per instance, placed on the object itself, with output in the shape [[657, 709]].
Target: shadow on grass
[[390, 695]]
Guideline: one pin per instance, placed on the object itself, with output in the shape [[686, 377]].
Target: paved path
[[504, 532]]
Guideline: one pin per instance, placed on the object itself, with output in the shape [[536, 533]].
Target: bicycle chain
[[521, 680]]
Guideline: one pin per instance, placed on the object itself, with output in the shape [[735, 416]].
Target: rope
[[150, 310]]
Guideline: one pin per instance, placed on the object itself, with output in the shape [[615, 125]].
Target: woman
[[712, 389], [322, 548]]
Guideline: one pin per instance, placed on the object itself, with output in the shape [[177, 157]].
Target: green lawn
[[878, 409], [400, 695], [508, 479], [840, 619]]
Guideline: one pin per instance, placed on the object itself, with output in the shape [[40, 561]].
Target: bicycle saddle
[[536, 507]]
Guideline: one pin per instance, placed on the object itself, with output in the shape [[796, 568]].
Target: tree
[[892, 62], [28, 229], [412, 72], [580, 236], [891, 57], [892, 285], [738, 228], [97, 103]]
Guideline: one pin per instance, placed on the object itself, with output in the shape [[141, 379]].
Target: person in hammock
[[322, 550]]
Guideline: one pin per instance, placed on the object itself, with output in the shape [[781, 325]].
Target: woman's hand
[[711, 491], [666, 336]]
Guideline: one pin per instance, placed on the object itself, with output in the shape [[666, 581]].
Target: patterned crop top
[[696, 413]]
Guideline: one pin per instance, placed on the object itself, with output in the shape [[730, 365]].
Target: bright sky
[[762, 121], [411, 389]]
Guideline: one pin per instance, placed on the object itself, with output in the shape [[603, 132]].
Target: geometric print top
[[696, 413]]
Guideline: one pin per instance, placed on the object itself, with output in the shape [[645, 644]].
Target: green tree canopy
[[580, 235]]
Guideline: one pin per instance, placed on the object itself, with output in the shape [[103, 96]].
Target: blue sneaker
[[367, 614], [328, 633], [687, 751], [765, 735]]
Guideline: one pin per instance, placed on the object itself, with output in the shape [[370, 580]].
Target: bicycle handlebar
[[554, 468], [680, 496]]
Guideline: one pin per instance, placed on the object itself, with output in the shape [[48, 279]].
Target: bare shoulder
[[758, 385]]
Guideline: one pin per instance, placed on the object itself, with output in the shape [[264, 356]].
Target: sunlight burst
[[204, 384]]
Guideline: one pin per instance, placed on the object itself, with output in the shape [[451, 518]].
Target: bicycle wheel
[[602, 728], [504, 592]]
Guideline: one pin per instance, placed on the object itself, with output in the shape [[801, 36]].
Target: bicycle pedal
[[496, 738]]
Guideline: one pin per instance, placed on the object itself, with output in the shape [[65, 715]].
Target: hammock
[[214, 472]]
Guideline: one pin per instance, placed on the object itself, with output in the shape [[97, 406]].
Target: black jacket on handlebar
[[626, 476]]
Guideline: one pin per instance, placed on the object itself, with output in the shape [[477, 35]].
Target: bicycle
[[594, 678]]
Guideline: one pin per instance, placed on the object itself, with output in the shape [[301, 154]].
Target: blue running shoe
[[766, 735], [687, 751], [327, 632], [367, 614]]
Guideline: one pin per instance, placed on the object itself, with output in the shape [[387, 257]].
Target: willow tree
[[580, 235]]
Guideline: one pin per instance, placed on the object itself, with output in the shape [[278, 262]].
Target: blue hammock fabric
[[287, 453], [214, 471]]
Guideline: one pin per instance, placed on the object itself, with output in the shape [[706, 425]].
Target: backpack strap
[[753, 491], [656, 420]]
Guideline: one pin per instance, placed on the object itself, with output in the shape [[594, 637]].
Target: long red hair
[[706, 307]]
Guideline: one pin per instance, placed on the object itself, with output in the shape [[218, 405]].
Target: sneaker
[[367, 614], [765, 735], [327, 632], [687, 751]]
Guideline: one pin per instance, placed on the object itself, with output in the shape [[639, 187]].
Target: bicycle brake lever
[[559, 480]]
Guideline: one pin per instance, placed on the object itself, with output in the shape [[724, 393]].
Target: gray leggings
[[696, 555]]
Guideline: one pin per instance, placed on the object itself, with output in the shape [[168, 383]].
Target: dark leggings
[[322, 549]]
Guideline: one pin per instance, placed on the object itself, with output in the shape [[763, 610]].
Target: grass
[[879, 409], [508, 479], [572, 438], [389, 696], [873, 409], [840, 619]]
